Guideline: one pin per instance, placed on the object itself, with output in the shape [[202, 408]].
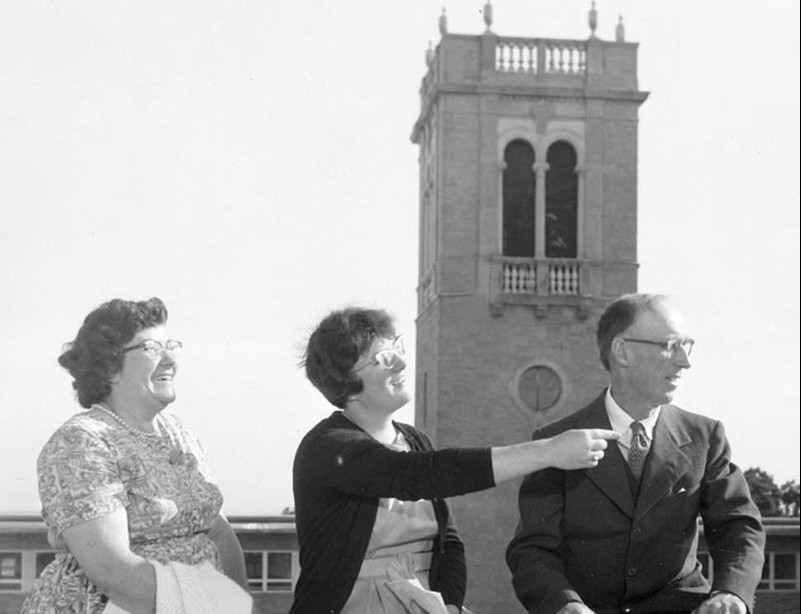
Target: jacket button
[[631, 571], [637, 531]]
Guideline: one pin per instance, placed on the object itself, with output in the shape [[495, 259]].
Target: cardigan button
[[631, 571]]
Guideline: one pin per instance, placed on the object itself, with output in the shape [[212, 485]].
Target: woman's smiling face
[[384, 386], [147, 377]]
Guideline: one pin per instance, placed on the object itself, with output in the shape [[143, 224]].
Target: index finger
[[604, 434]]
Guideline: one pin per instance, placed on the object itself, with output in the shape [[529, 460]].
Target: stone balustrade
[[532, 277], [462, 61], [519, 277], [563, 278], [517, 55], [540, 56]]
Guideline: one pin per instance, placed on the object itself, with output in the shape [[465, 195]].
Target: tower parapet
[[532, 66]]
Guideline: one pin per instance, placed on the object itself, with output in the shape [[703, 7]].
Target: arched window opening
[[519, 189], [561, 202]]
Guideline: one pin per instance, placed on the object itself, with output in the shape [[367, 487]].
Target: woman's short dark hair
[[95, 356], [336, 345], [618, 316]]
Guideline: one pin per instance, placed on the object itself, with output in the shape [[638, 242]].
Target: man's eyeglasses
[[154, 349], [670, 346], [389, 358]]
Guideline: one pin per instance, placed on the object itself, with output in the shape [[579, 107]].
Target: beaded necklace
[[118, 418], [176, 455]]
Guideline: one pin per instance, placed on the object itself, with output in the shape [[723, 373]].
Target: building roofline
[[33, 523]]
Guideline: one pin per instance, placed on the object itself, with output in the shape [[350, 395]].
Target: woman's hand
[[579, 449]]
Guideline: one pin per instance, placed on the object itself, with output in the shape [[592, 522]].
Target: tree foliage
[[771, 499], [790, 498]]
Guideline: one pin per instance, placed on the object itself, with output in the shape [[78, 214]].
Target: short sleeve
[[79, 478]]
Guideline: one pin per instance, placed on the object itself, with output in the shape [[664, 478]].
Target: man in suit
[[621, 537]]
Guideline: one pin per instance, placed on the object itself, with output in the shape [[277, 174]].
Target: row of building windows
[[779, 573], [18, 570], [267, 571], [270, 571]]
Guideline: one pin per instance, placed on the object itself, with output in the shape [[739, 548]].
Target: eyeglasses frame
[[670, 346], [398, 349], [161, 346]]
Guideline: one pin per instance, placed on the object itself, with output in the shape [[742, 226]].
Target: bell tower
[[528, 228]]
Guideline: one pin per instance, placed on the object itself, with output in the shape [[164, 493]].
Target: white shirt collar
[[621, 421]]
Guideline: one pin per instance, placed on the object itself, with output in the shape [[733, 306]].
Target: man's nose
[[681, 357]]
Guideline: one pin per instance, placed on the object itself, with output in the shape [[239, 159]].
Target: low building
[[270, 545], [778, 592]]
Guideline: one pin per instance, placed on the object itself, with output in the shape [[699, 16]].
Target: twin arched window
[[522, 209]]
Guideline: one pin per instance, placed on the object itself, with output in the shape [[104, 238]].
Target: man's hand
[[722, 603], [574, 607]]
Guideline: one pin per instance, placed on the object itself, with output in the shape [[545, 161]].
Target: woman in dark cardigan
[[374, 529]]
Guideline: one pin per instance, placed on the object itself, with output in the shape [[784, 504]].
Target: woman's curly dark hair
[[95, 356], [336, 345]]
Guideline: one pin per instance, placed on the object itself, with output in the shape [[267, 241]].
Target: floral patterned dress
[[92, 466]]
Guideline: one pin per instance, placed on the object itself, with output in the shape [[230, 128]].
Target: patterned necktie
[[638, 449]]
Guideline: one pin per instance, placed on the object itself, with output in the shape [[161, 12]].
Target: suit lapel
[[610, 474], [666, 460]]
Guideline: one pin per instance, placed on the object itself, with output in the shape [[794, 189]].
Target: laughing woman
[[374, 529], [122, 484]]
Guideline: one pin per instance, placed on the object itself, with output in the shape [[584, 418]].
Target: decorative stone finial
[[620, 30], [443, 23], [429, 54], [592, 18], [488, 15]]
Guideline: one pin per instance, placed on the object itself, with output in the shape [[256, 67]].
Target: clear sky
[[249, 162]]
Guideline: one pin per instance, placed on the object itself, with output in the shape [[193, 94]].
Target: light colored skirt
[[395, 585]]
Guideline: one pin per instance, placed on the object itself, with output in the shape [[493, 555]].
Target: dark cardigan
[[339, 475]]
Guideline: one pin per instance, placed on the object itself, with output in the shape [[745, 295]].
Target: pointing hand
[[579, 449]]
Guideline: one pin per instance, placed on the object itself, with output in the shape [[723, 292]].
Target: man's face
[[652, 374]]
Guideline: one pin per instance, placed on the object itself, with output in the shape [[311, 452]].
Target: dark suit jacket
[[583, 537]]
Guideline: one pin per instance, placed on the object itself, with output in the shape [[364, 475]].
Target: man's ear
[[619, 352]]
